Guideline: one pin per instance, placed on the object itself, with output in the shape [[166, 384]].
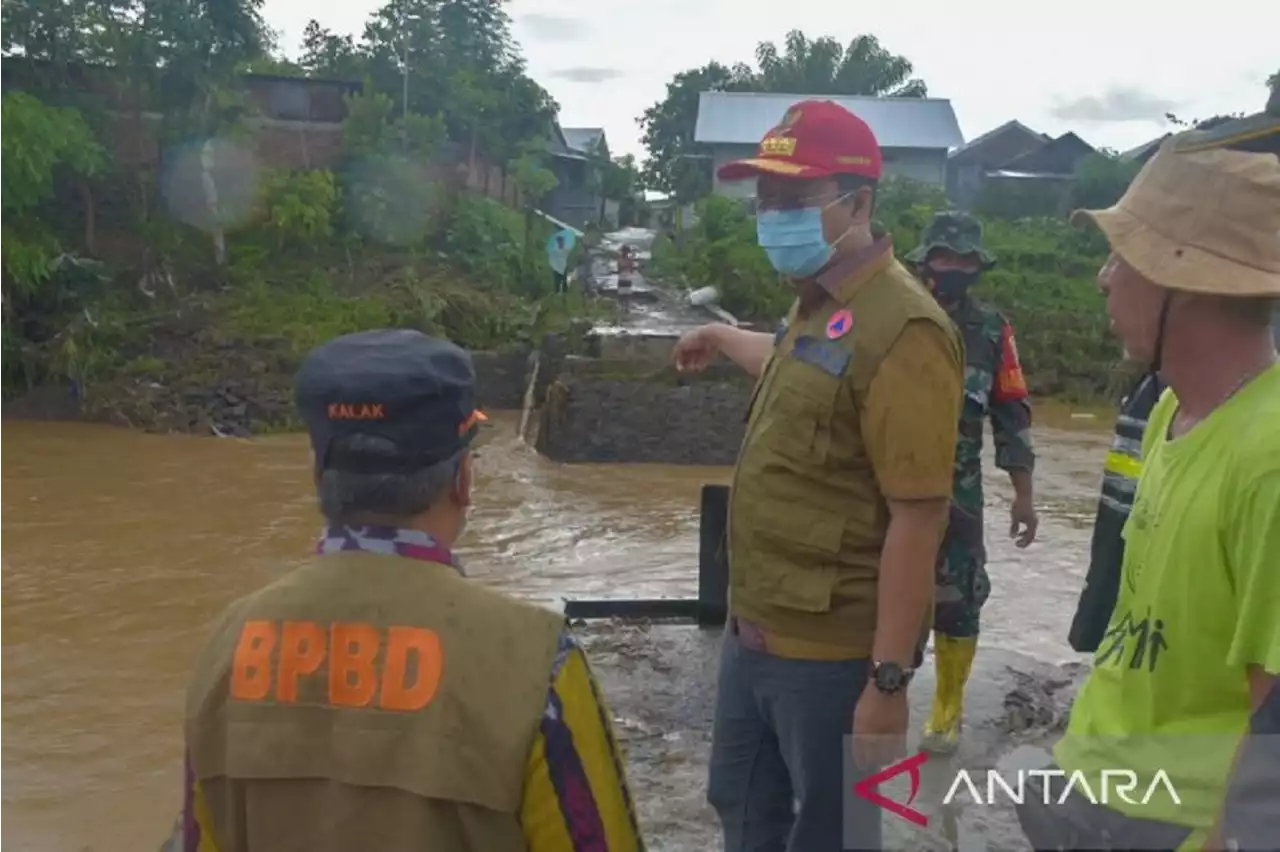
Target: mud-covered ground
[[660, 682]]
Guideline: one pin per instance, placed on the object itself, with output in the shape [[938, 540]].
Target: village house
[[1013, 156], [915, 134], [577, 199]]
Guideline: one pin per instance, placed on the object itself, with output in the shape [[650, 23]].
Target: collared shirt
[[575, 791], [916, 387], [843, 278]]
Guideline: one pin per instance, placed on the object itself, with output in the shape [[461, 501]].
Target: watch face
[[889, 677]]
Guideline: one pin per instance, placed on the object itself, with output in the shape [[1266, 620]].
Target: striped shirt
[[575, 791]]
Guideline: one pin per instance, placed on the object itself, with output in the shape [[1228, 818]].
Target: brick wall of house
[[133, 141]]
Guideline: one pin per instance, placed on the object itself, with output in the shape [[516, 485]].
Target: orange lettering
[[352, 651], [357, 411], [397, 693], [251, 667], [301, 653]]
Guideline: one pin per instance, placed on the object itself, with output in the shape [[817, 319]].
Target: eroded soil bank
[[660, 682]]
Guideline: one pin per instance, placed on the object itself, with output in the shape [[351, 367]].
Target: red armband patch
[[1010, 383]]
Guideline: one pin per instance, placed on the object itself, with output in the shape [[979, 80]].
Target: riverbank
[[660, 682], [222, 361]]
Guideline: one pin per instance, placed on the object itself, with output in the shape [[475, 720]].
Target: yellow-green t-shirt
[[1199, 602]]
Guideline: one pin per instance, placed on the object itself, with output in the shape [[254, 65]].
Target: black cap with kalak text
[[415, 391]]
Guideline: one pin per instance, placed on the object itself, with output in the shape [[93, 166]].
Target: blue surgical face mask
[[794, 240]]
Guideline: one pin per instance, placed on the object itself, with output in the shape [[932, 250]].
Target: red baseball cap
[[815, 139]]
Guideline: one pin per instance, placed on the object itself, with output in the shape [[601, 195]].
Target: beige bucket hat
[[1203, 222]]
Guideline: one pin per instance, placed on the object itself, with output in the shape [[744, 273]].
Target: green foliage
[[391, 197], [533, 178], [1044, 281], [488, 240], [441, 77], [300, 207], [38, 143], [721, 251], [37, 140], [1101, 179], [305, 315]]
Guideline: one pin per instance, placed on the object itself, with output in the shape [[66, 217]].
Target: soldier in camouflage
[[950, 259]]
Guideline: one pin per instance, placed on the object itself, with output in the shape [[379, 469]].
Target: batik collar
[[390, 541]]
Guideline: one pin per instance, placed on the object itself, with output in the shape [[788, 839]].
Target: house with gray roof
[[1013, 155], [586, 140], [915, 134], [576, 198]]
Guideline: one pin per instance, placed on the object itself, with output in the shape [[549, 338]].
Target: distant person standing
[[626, 272], [559, 247], [950, 260]]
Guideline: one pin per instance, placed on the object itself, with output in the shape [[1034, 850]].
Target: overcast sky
[[1106, 69]]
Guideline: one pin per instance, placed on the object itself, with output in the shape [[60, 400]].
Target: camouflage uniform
[[994, 388]]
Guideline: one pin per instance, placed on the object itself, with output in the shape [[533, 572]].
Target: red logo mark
[[866, 788], [840, 324]]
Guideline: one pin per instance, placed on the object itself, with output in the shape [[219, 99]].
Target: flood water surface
[[120, 549]]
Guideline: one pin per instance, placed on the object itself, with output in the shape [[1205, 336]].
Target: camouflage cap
[[956, 231], [1258, 133]]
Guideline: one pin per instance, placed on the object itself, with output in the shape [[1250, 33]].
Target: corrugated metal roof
[[583, 139], [1008, 126], [742, 118]]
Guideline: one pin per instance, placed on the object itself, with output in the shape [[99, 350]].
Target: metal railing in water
[[710, 607]]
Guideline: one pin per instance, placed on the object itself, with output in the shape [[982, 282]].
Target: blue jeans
[[779, 754]]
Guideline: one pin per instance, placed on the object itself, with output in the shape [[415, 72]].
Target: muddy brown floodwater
[[120, 549]]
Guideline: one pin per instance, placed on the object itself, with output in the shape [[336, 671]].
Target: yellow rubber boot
[[953, 658]]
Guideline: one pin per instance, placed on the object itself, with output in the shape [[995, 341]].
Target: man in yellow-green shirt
[[1193, 645]]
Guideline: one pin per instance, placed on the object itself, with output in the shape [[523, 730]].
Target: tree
[[325, 54], [668, 126], [1100, 180], [823, 67], [1201, 123], [680, 167], [621, 178], [38, 142]]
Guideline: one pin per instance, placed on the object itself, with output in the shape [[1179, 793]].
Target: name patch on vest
[[384, 668], [828, 356]]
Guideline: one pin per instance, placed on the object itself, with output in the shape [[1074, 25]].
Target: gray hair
[[346, 497]]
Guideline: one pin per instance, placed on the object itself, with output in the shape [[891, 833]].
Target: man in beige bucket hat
[[1193, 644]]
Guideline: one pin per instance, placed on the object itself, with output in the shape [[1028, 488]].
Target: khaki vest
[[806, 519], [370, 702]]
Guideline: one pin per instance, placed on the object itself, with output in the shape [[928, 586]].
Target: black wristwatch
[[890, 678]]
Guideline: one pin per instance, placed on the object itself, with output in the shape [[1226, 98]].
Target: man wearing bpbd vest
[[375, 698], [839, 497]]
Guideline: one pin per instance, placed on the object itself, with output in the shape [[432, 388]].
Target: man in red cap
[[839, 498]]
